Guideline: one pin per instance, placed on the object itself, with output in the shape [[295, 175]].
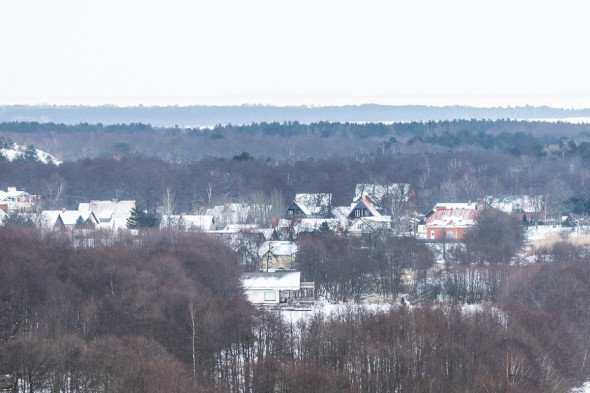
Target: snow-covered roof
[[455, 215], [315, 224], [12, 195], [315, 203], [378, 191], [187, 222], [277, 280], [451, 205], [70, 217], [231, 213], [341, 212], [240, 227], [111, 214], [48, 218], [280, 223], [2, 216], [278, 248]]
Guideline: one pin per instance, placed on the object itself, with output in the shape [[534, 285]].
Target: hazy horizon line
[[294, 105]]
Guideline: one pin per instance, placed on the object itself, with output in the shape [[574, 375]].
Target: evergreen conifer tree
[[141, 219]]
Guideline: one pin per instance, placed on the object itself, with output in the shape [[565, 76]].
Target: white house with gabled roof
[[363, 207], [111, 214], [67, 219]]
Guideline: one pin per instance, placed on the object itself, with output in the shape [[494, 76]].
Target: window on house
[[357, 213], [450, 235], [432, 234], [270, 296]]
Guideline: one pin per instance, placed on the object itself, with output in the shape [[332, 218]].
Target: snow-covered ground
[[546, 236], [294, 314], [582, 389]]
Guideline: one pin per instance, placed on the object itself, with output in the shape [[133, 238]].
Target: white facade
[[270, 287]]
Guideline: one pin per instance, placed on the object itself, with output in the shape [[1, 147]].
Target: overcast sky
[[311, 52]]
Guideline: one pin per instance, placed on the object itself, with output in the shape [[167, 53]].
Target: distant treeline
[[202, 115], [461, 130], [274, 141]]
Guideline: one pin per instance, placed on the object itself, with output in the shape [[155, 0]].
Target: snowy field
[[545, 236]]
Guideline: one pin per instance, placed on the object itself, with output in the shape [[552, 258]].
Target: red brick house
[[450, 220]]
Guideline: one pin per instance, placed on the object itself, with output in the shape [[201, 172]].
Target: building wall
[[421, 231], [276, 262], [440, 233], [262, 296]]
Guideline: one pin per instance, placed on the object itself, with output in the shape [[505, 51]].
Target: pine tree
[[80, 222], [30, 154], [141, 219], [133, 220]]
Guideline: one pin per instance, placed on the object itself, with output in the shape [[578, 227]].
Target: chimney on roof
[[63, 209], [115, 200], [11, 189]]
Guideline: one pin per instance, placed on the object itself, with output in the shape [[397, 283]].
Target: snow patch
[[18, 151]]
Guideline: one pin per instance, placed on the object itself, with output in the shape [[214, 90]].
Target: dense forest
[[165, 311], [296, 141]]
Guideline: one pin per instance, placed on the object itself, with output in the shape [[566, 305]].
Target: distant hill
[[206, 116]]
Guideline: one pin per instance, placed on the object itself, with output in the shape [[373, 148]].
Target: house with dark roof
[[363, 207], [297, 210]]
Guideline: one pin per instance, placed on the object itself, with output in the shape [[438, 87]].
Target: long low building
[[271, 287]]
